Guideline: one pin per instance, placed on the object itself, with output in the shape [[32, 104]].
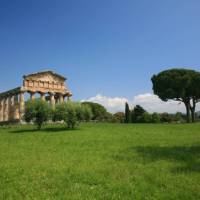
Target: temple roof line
[[10, 92], [45, 72]]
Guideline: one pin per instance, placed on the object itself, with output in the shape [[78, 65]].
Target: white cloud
[[148, 101], [111, 104]]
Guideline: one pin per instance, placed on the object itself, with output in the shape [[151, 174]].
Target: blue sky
[[108, 47]]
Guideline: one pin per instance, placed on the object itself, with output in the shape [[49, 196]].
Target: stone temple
[[49, 85]]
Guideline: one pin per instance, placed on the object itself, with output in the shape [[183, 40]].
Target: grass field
[[100, 161]]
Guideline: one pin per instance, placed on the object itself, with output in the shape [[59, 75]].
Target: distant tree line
[[139, 115]]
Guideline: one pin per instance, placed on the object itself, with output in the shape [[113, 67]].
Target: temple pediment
[[45, 82], [46, 76]]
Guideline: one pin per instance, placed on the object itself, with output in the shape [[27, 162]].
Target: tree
[[136, 114], [146, 118], [127, 114], [86, 113], [118, 117], [155, 118], [66, 112], [37, 111], [179, 85], [177, 117], [165, 118], [99, 113]]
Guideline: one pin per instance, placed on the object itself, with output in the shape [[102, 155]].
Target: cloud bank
[[148, 101]]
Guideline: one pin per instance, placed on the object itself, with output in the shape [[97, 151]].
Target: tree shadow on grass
[[43, 130], [186, 158]]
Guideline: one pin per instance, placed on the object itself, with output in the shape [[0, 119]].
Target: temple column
[[1, 110], [5, 118], [52, 100], [10, 106], [32, 96], [21, 105], [42, 96], [61, 99], [16, 107]]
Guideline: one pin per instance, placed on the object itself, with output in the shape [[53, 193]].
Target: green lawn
[[100, 161]]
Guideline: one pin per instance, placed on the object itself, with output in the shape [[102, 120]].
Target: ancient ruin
[[49, 85]]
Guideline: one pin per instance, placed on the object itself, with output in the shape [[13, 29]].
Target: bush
[[165, 118], [72, 113], [155, 118], [87, 113], [145, 118], [67, 113], [99, 113], [37, 111], [118, 117]]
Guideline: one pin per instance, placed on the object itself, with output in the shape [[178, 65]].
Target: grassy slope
[[101, 161]]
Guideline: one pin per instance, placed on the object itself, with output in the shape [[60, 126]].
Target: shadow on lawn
[[187, 158], [184, 159], [44, 130]]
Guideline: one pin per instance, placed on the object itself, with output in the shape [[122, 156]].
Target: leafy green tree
[[127, 118], [37, 111], [99, 113], [108, 117], [165, 117], [86, 112], [79, 112], [155, 118], [118, 117], [137, 113], [146, 118], [66, 112], [178, 117], [180, 85]]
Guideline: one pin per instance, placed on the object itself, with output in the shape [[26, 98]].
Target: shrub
[[86, 113], [145, 118], [118, 117], [155, 118], [67, 113], [99, 113], [165, 118], [37, 111], [72, 113]]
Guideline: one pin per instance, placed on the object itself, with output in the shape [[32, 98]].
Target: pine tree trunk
[[193, 115], [192, 108], [187, 105]]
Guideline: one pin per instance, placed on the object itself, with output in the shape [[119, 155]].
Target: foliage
[[165, 117], [86, 113], [127, 118], [180, 85], [99, 113], [155, 118], [145, 118], [119, 117], [37, 111], [72, 113], [137, 114]]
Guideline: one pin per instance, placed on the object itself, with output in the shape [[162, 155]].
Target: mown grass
[[100, 161]]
